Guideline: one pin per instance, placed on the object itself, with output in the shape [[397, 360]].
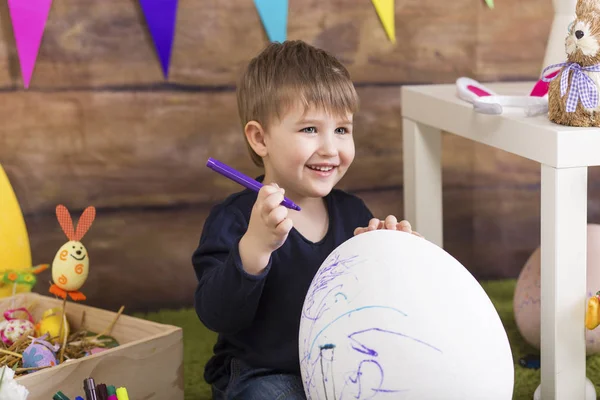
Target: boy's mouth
[[322, 167]]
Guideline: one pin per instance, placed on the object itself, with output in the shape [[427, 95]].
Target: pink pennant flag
[[28, 20]]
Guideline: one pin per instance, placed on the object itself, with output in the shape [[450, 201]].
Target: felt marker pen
[[112, 392], [243, 180], [122, 394], [89, 386], [102, 391], [59, 396]]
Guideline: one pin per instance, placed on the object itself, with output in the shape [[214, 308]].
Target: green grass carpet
[[198, 342]]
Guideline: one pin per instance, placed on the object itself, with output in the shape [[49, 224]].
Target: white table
[[564, 154]]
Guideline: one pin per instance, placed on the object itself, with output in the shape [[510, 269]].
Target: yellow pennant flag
[[385, 10]]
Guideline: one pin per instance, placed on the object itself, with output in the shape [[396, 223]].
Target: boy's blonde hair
[[284, 73]]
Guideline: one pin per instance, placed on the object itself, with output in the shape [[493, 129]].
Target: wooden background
[[100, 126]]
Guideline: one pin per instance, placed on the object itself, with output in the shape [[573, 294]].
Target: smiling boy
[[256, 258]]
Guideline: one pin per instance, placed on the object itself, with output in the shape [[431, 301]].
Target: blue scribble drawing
[[356, 345], [370, 368], [348, 314], [365, 375], [355, 379], [322, 294], [341, 295], [366, 378], [527, 301], [326, 356], [314, 307]]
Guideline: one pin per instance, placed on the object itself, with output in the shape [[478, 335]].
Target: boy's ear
[[255, 134]]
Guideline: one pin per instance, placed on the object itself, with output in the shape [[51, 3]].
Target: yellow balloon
[[15, 253]]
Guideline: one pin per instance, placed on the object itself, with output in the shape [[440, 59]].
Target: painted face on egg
[[70, 266]]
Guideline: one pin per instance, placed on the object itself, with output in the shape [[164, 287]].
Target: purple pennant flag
[[160, 17], [28, 21]]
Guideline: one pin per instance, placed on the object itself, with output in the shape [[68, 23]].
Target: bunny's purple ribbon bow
[[582, 86]]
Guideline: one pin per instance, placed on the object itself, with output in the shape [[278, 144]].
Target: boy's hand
[[268, 229], [390, 222]]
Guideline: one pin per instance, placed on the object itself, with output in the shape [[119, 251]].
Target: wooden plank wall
[[100, 126]]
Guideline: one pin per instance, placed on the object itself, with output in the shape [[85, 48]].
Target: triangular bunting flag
[[490, 3], [273, 14], [160, 17], [385, 10], [28, 21]]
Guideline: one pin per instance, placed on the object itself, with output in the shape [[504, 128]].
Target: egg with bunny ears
[[70, 267]]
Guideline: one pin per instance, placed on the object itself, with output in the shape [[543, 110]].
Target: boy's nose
[[328, 148]]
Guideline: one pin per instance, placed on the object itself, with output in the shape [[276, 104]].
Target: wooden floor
[[142, 257]]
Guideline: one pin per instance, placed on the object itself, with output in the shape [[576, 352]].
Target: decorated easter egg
[[393, 315], [38, 355], [95, 350], [15, 329], [70, 267], [50, 324], [15, 249], [527, 295]]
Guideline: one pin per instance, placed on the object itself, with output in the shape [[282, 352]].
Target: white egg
[[393, 315]]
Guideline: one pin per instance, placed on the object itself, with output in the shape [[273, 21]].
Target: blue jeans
[[247, 383]]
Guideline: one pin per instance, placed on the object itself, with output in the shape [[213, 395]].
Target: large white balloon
[[392, 316]]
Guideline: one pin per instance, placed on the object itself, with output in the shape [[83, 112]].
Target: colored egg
[[95, 350], [15, 329], [70, 267], [37, 355], [391, 313], [15, 248], [50, 324]]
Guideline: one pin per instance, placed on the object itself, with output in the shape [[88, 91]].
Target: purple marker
[[243, 180]]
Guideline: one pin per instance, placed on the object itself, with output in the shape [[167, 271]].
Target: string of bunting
[[29, 20]]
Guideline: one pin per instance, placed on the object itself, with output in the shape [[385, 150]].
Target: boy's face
[[308, 153]]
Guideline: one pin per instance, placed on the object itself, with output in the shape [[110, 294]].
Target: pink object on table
[[486, 101], [540, 89]]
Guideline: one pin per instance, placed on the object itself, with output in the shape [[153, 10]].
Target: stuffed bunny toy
[[573, 92]]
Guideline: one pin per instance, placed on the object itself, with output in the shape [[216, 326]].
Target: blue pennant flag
[[273, 14]]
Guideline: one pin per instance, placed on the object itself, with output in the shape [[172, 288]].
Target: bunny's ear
[[85, 221], [65, 221], [586, 7]]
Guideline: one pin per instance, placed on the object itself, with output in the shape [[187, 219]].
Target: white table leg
[[422, 150], [563, 281]]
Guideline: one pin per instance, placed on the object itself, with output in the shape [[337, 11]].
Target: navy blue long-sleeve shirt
[[258, 316]]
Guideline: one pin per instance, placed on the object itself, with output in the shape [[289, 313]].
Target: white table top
[[535, 138]]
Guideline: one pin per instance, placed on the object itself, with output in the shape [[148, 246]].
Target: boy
[[256, 258]]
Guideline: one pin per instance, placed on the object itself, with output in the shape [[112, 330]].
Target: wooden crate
[[148, 362]]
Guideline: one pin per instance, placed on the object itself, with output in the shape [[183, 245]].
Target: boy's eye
[[342, 131], [310, 129]]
